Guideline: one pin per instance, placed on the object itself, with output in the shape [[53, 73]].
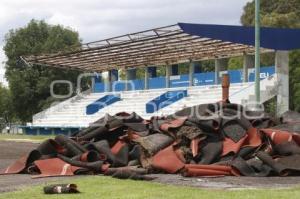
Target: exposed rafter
[[152, 47]]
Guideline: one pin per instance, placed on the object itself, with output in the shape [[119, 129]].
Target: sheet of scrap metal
[[218, 139]]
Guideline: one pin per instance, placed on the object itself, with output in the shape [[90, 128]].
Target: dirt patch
[[10, 151], [229, 182]]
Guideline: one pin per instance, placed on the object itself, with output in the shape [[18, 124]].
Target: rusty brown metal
[[167, 160], [54, 167], [190, 146], [207, 170], [21, 164], [225, 87]]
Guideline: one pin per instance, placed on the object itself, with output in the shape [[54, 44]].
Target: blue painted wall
[[48, 131], [264, 73], [200, 79]]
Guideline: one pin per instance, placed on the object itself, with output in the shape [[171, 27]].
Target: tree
[[6, 111], [235, 63], [30, 85], [282, 14], [274, 13]]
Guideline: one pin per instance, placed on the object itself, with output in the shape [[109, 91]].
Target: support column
[[107, 85], [93, 86], [168, 72], [248, 63], [113, 75], [220, 65], [282, 71], [126, 80], [146, 81], [94, 80], [191, 73]]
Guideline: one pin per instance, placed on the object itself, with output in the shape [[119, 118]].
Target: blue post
[[113, 75]]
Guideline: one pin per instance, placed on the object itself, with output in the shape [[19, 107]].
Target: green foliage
[[283, 14], [161, 71], [279, 13], [267, 59], [140, 73], [30, 85], [270, 106], [6, 111], [235, 63], [294, 69], [183, 68], [207, 66]]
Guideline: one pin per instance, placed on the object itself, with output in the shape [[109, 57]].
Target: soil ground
[[10, 151]]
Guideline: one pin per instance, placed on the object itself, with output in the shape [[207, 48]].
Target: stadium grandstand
[[163, 95]]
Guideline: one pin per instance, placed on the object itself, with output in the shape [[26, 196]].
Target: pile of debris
[[219, 139]]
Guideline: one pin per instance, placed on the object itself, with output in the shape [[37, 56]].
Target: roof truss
[[159, 46]]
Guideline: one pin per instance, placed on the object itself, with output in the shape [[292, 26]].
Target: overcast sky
[[100, 19]]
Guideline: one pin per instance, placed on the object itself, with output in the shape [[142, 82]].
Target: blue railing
[[164, 100], [101, 103]]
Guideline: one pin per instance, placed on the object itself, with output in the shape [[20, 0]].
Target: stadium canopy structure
[[179, 43], [168, 45]]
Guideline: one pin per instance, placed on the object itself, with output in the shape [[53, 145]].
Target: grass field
[[24, 137], [109, 188]]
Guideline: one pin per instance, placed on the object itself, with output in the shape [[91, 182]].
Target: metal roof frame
[[159, 46]]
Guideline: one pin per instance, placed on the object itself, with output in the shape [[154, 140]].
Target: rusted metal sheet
[[202, 144]]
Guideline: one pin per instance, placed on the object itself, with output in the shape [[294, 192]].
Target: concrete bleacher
[[72, 113]]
